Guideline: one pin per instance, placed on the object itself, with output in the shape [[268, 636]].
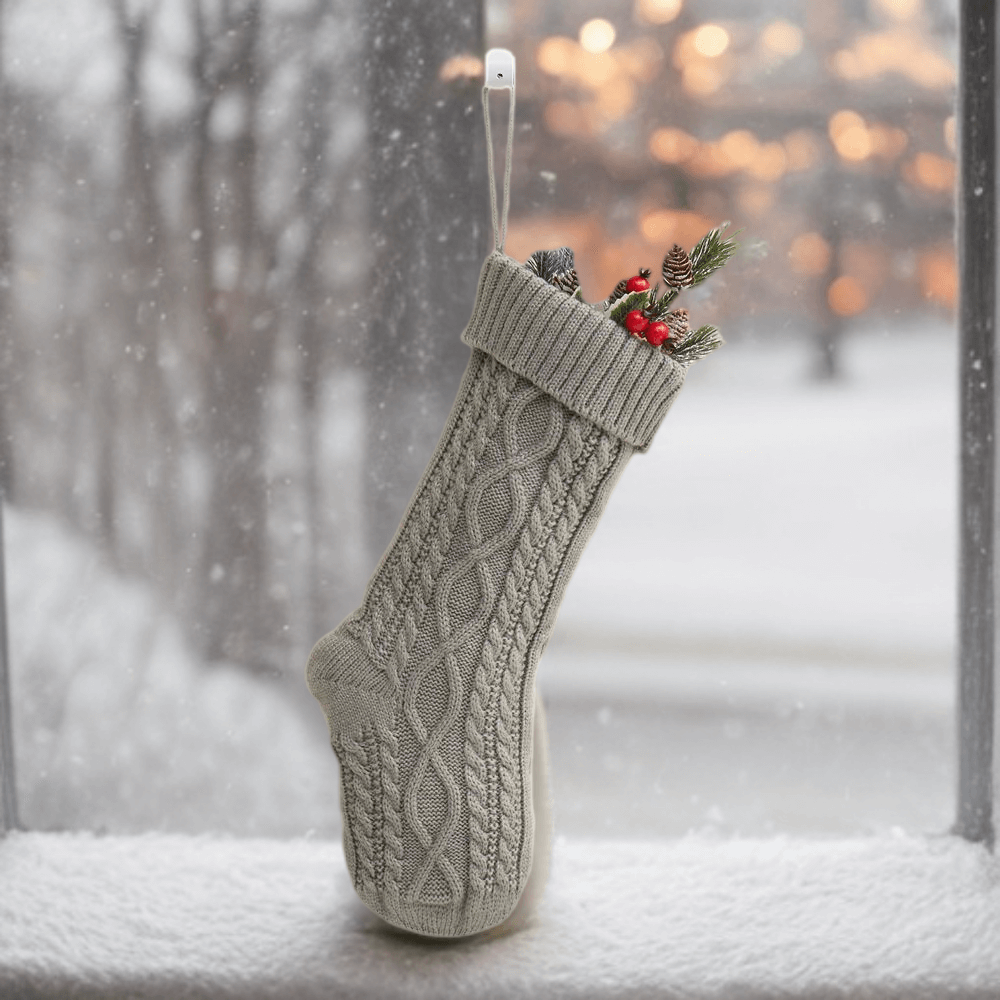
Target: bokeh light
[[710, 40], [555, 55], [658, 11], [782, 39], [898, 50], [950, 135], [887, 141], [597, 35], [739, 148], [901, 10], [463, 66], [939, 275], [809, 254], [849, 135], [931, 172], [664, 226], [672, 145], [754, 200], [803, 150], [846, 296]]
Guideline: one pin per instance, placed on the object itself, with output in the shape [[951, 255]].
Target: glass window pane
[[193, 214], [760, 637]]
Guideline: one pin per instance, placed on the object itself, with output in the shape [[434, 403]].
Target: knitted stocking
[[429, 686]]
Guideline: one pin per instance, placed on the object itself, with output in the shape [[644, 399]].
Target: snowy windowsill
[[168, 916]]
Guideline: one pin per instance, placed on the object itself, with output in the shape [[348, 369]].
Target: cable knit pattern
[[428, 687]]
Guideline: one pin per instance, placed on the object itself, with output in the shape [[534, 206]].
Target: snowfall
[[750, 697]]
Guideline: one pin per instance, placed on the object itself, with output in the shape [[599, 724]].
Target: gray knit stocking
[[429, 686]]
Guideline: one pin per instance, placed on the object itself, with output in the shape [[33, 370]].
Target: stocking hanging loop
[[499, 76]]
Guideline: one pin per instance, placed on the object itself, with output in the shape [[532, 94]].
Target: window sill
[[165, 916]]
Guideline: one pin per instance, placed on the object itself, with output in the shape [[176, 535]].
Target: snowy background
[[238, 241], [758, 638]]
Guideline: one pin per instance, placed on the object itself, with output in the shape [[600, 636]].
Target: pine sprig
[[659, 307], [697, 345], [712, 251], [654, 319]]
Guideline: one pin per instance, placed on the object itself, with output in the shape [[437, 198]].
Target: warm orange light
[[755, 199], [843, 120], [710, 40], [702, 79], [802, 150], [555, 55], [667, 225], [769, 162], [597, 35], [461, 66], [866, 261], [782, 38], [739, 148], [902, 10], [711, 160], [672, 145], [849, 135], [898, 50], [658, 11], [887, 141], [847, 296], [616, 98], [641, 60], [566, 118], [938, 276], [949, 134], [595, 69], [846, 64], [809, 254], [935, 173], [560, 56]]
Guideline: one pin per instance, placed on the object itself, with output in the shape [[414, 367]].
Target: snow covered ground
[[884, 918], [758, 638], [779, 515], [117, 728]]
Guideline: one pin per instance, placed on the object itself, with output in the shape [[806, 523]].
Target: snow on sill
[[170, 916]]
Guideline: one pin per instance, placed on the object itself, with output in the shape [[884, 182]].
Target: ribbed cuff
[[572, 351]]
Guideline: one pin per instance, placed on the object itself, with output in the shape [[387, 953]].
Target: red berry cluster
[[637, 323], [656, 332]]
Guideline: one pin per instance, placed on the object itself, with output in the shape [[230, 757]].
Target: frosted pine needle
[[712, 251], [696, 346]]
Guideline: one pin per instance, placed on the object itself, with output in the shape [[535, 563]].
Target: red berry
[[635, 322], [637, 284], [657, 332]]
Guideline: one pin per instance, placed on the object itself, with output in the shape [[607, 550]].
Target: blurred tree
[[6, 264], [235, 257], [429, 229], [186, 233]]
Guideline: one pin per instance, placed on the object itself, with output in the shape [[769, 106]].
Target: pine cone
[[679, 323], [677, 270], [568, 282], [548, 263]]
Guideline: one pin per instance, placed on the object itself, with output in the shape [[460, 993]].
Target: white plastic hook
[[500, 69]]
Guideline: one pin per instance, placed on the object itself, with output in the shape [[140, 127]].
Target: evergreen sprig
[[713, 250], [697, 345]]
